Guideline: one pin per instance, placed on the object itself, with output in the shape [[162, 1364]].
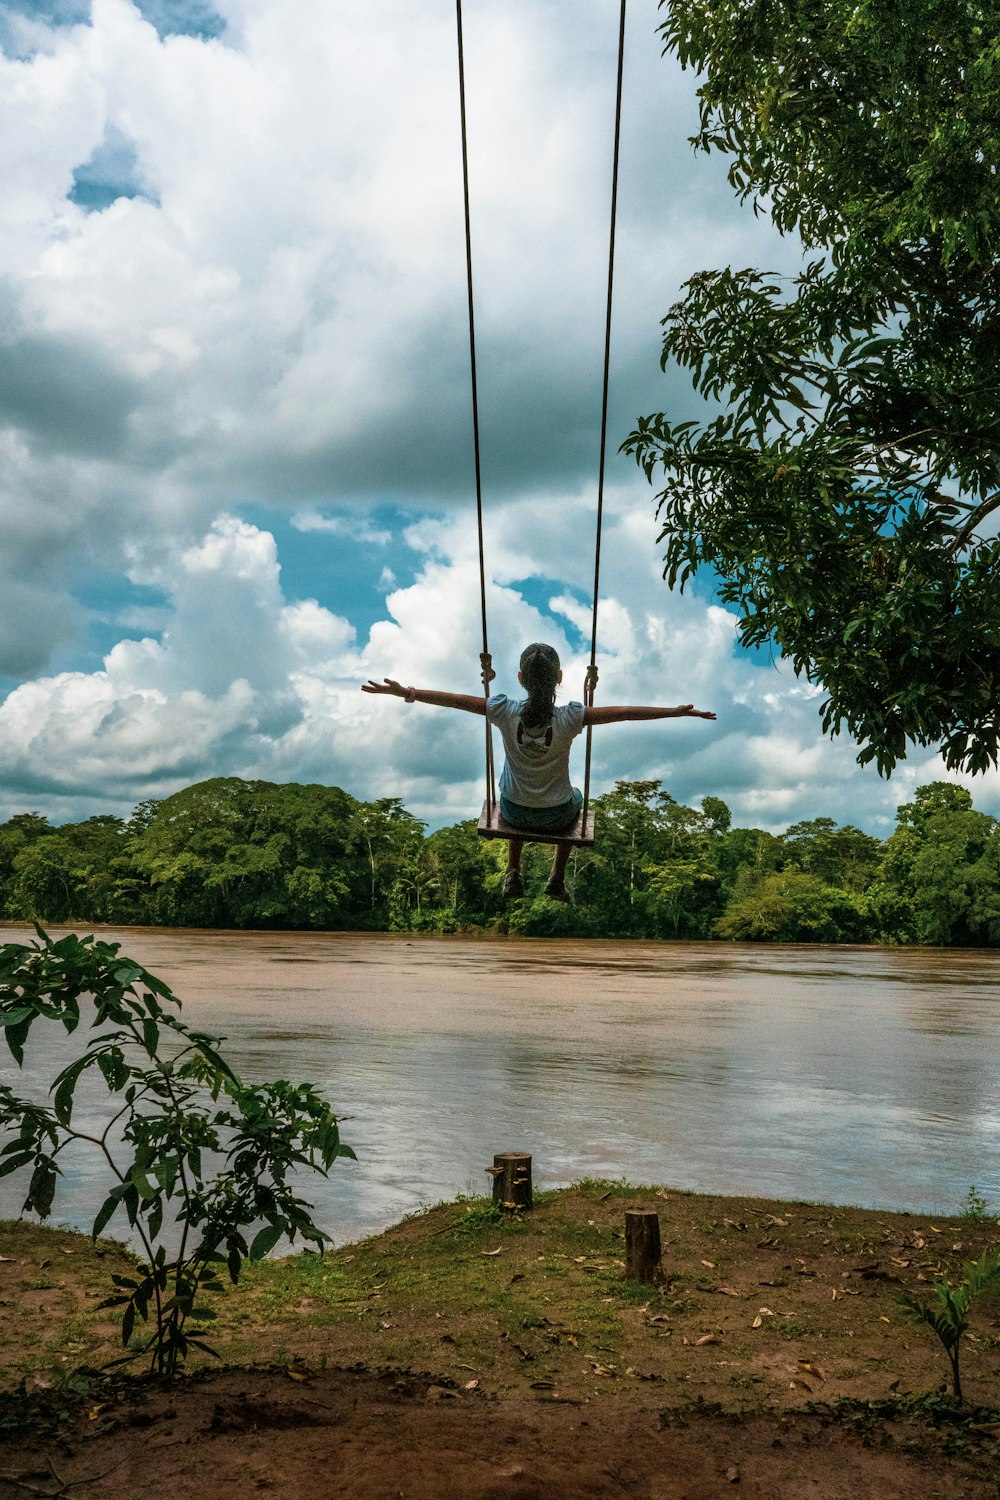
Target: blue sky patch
[[170, 17], [112, 172]]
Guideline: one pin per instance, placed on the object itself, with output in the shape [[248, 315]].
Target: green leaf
[[13, 1163], [104, 1213], [150, 1036], [265, 1240]]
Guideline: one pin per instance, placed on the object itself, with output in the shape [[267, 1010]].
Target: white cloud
[[279, 315], [277, 318], [353, 527], [244, 681]]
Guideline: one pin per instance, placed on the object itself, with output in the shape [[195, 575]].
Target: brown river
[[848, 1075]]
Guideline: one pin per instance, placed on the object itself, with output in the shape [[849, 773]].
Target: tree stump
[[642, 1245], [511, 1173]]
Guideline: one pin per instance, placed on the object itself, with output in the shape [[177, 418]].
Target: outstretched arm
[[621, 714], [464, 701]]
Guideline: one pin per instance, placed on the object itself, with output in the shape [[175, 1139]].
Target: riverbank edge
[[477, 934], [763, 1305]]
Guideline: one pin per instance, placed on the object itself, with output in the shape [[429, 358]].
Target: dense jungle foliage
[[253, 854], [843, 487]]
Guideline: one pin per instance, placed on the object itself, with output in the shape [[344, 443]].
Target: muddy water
[[857, 1075]]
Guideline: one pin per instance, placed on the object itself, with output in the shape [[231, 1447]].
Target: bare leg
[[556, 887], [513, 886]]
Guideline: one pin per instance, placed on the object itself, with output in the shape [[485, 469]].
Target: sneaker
[[555, 889], [513, 885]]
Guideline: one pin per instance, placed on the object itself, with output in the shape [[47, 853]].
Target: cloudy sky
[[235, 439]]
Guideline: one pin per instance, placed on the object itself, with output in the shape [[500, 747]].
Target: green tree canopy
[[846, 495]]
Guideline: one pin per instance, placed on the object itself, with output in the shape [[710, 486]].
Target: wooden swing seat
[[492, 826]]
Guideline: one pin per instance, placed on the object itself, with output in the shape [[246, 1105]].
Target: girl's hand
[[695, 713], [388, 685]]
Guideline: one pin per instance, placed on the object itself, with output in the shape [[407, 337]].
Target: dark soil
[[458, 1355]]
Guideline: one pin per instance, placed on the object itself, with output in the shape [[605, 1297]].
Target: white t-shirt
[[536, 773]]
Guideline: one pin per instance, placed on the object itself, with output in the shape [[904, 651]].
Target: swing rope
[[590, 684], [485, 659]]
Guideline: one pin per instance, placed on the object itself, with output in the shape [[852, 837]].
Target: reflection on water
[[850, 1075]]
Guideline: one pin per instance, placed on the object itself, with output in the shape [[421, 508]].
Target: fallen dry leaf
[[710, 1264], [733, 1474], [799, 1385], [492, 1252], [471, 1385], [758, 1322], [707, 1338], [299, 1374], [808, 1368], [441, 1393]]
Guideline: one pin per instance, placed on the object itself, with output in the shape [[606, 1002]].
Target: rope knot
[[590, 683], [486, 666]]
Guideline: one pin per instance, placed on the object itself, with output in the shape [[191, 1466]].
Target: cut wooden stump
[[511, 1173], [642, 1245]]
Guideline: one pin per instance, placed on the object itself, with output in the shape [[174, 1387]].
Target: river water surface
[[849, 1075]]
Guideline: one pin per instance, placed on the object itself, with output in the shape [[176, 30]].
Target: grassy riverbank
[[765, 1303], [462, 1355]]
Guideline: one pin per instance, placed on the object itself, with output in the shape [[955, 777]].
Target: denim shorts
[[558, 819]]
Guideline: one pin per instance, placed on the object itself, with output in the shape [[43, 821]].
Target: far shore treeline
[[255, 854]]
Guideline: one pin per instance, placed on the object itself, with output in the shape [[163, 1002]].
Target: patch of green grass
[[475, 1215], [682, 1306], [976, 1210], [606, 1187], [788, 1328], [853, 1241]]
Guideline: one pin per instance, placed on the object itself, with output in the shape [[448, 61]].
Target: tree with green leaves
[[186, 1147], [842, 855], [948, 1313], [846, 494], [790, 907], [939, 877]]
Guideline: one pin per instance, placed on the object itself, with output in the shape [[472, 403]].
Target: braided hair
[[539, 666]]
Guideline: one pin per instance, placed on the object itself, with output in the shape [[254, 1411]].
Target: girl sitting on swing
[[536, 794]]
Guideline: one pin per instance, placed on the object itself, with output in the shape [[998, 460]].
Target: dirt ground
[[355, 1434], [461, 1355]]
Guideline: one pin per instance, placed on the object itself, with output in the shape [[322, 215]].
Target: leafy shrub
[[948, 1314], [173, 1103]]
